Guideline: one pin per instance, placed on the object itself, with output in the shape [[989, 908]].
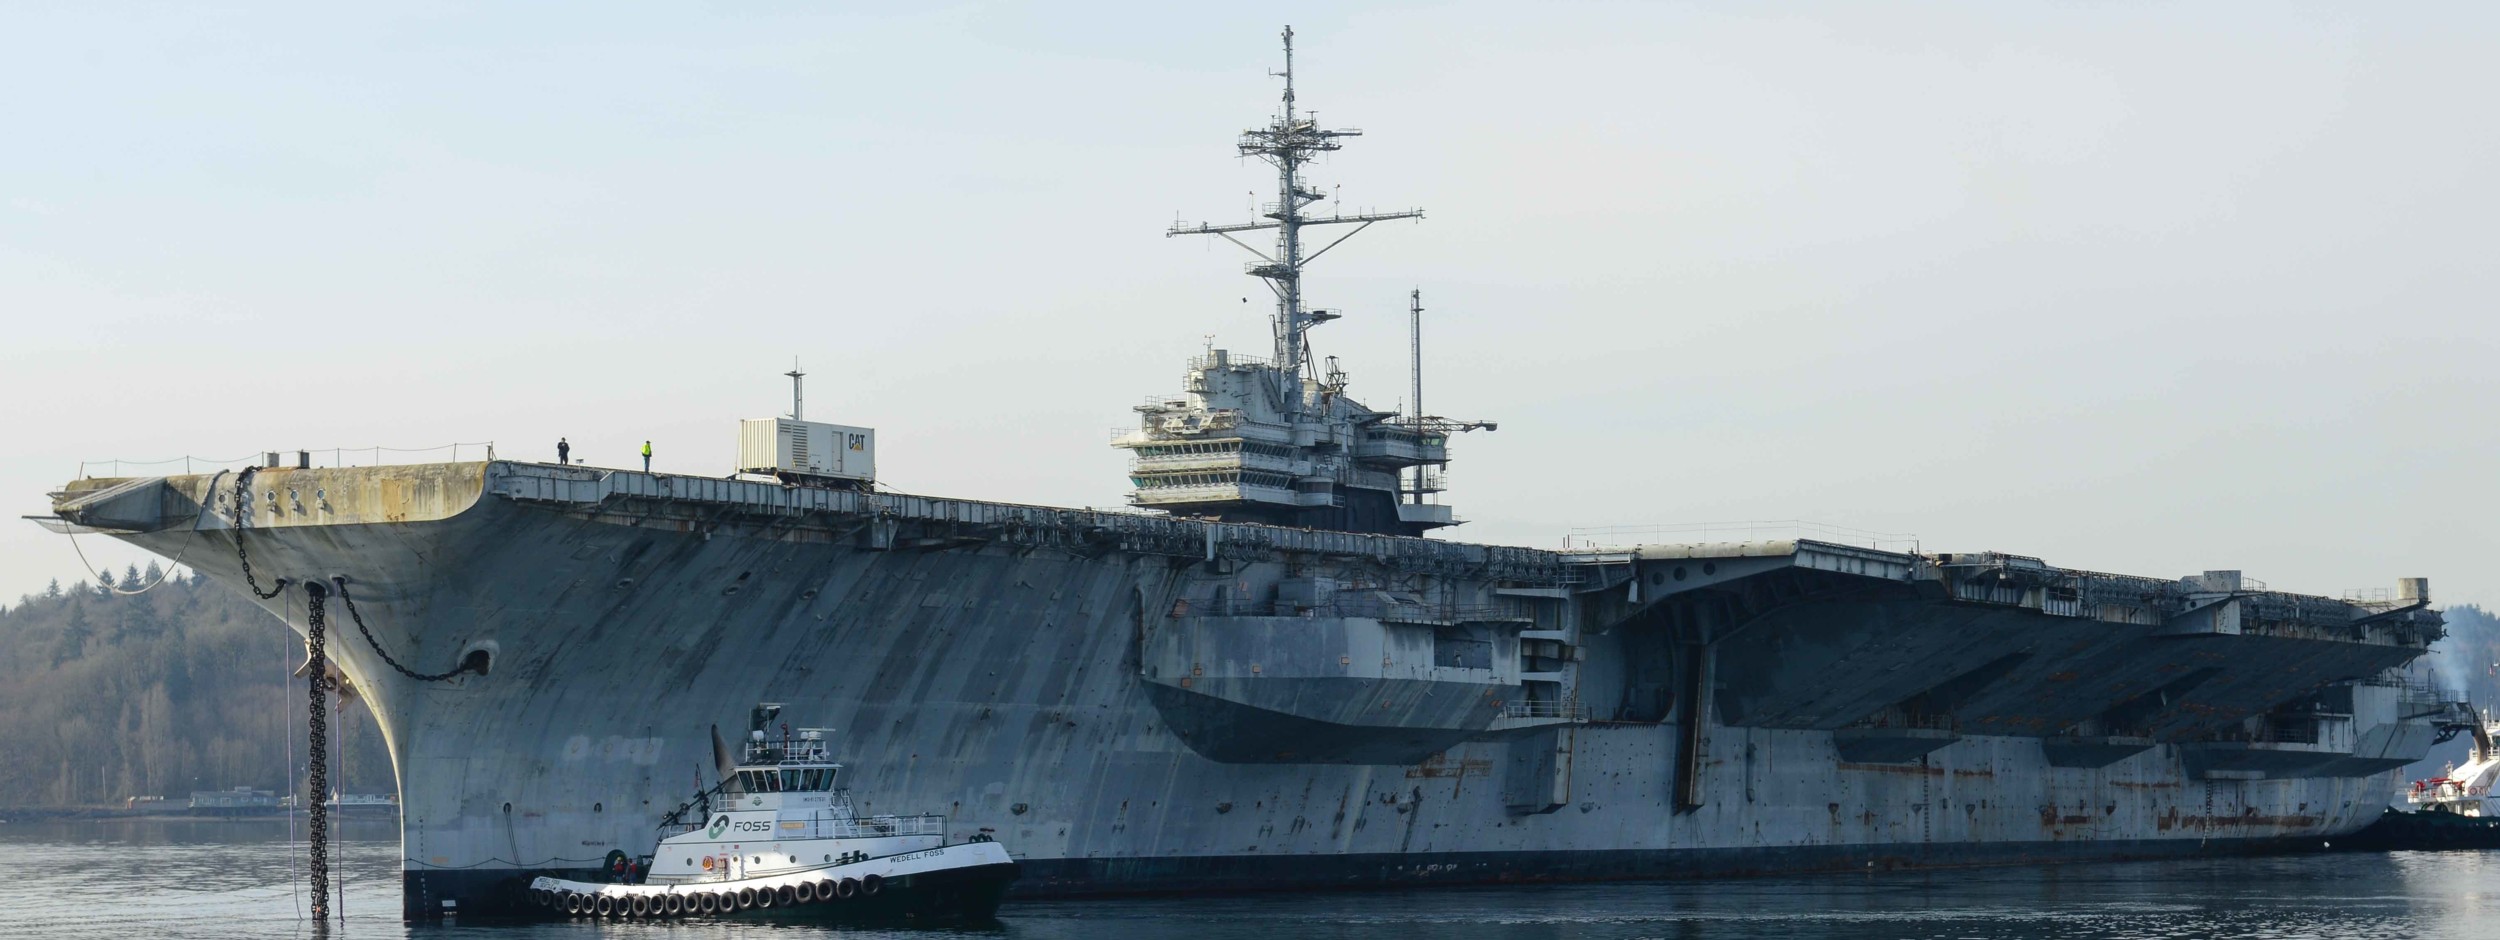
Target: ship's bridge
[[1230, 448], [792, 769]]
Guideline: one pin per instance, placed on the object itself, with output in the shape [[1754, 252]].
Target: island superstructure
[[1277, 440], [1272, 682]]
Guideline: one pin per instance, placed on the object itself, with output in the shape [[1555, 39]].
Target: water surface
[[214, 879]]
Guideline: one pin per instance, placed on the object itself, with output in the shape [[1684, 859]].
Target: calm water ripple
[[213, 879]]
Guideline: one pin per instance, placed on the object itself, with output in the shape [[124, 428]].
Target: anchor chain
[[359, 618], [243, 490], [317, 663]]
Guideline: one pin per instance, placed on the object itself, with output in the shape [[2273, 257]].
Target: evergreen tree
[[104, 579], [54, 590], [130, 575], [74, 636], [155, 573]]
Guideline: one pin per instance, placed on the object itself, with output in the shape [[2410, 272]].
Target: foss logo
[[718, 826]]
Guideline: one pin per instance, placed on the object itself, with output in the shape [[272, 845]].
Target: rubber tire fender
[[785, 896], [708, 902], [641, 905], [571, 903], [824, 890], [804, 893], [672, 904], [869, 886], [607, 906], [844, 889], [746, 898]]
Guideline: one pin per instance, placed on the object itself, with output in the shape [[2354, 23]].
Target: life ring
[[642, 905], [843, 889], [607, 906], [804, 893], [707, 863], [785, 896], [869, 886], [746, 898]]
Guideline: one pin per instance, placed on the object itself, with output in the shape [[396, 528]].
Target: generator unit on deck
[[793, 449]]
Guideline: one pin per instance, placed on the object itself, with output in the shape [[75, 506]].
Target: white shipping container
[[806, 448]]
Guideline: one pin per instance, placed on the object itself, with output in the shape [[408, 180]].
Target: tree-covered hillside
[[185, 687]]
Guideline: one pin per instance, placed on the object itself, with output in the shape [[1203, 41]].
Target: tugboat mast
[[1288, 142]]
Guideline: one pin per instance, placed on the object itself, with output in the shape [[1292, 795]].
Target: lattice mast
[[1289, 141]]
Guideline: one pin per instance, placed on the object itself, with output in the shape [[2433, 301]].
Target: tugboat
[[777, 836], [2452, 810]]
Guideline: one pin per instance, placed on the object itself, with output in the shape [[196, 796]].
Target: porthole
[[1679, 572], [1657, 577], [1709, 568]]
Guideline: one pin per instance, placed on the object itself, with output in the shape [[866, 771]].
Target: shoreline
[[28, 814]]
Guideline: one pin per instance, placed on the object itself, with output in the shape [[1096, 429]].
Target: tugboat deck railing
[[827, 825]]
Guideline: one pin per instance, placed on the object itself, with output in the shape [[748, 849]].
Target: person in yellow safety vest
[[646, 456]]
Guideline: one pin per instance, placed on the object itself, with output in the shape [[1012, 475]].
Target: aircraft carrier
[[1263, 677]]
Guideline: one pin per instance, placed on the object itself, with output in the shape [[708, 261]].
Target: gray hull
[[1133, 704]]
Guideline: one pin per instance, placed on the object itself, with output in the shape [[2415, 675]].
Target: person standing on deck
[[646, 456], [564, 452]]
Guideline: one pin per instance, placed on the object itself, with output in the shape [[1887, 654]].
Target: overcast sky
[[2142, 288]]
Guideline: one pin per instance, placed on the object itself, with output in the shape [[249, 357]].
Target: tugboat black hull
[[961, 892], [2400, 831], [953, 896]]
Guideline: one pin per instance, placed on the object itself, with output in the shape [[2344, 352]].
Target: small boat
[[2453, 810], [777, 837]]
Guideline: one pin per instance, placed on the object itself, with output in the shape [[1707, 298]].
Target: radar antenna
[[1288, 142]]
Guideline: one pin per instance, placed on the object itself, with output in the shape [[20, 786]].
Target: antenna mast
[[1415, 339], [798, 391], [1291, 140]]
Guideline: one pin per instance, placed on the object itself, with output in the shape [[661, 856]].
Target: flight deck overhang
[[1810, 634]]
